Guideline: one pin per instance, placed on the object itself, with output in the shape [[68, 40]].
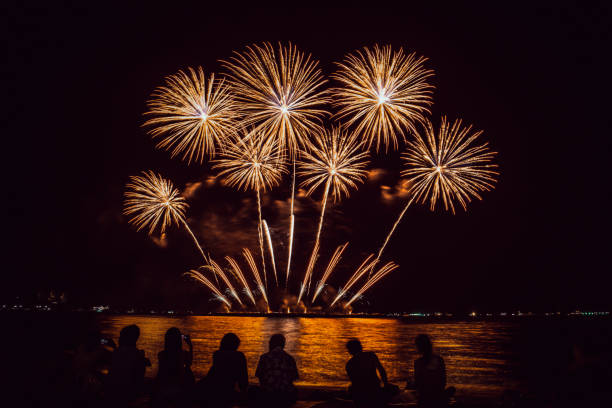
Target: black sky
[[535, 78]]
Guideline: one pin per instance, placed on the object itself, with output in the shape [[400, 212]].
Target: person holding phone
[[175, 379]]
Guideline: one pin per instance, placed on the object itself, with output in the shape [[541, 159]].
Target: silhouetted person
[[174, 382], [90, 359], [228, 372], [363, 369], [276, 372], [128, 365], [429, 375]]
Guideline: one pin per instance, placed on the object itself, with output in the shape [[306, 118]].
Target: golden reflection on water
[[476, 358]]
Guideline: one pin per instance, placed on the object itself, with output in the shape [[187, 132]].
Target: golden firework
[[251, 163], [381, 273], [382, 93], [203, 280], [279, 91], [191, 115], [335, 159], [152, 201], [449, 166]]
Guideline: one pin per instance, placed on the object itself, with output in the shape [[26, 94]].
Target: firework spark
[[382, 93], [447, 165], [217, 270], [309, 269], [202, 279], [271, 248], [365, 266], [381, 273], [280, 92], [291, 227], [251, 261], [238, 273], [153, 202], [330, 268], [191, 115]]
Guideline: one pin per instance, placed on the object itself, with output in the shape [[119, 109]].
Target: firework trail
[[381, 93], [249, 258], [152, 201], [381, 273], [254, 163], [217, 270], [336, 159], [446, 165], [330, 268], [269, 239], [365, 266], [202, 279], [291, 225], [309, 269], [280, 91], [238, 273], [191, 115]]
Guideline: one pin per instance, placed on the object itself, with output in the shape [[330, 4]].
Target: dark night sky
[[536, 79]]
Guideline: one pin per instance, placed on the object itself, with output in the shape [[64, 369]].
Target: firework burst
[[191, 115], [251, 163], [279, 92], [447, 165], [382, 93], [152, 201]]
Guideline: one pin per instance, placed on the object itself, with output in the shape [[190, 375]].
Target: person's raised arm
[[381, 370]]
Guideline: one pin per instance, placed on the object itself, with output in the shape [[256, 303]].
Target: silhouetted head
[[173, 340], [129, 336], [229, 342], [354, 346], [277, 340], [423, 345]]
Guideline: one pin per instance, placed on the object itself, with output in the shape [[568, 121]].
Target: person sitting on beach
[[128, 365], [228, 370], [276, 372], [175, 380], [362, 368], [429, 375]]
